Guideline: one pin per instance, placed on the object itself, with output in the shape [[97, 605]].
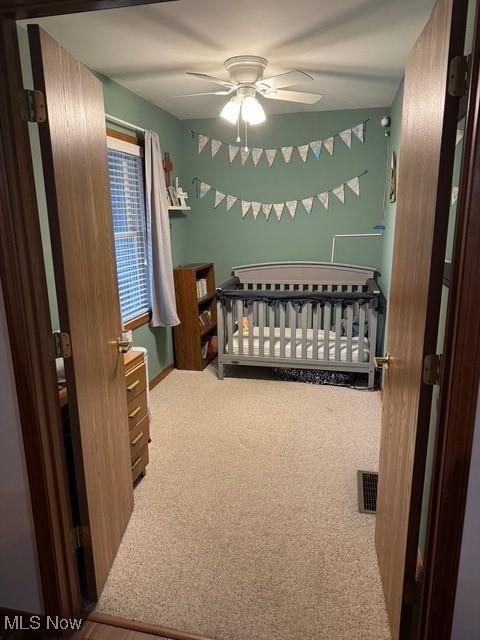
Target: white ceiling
[[354, 49]]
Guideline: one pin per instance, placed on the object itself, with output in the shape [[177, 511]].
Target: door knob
[[123, 343], [382, 361]]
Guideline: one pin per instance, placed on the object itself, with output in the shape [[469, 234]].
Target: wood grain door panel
[[76, 179], [424, 183]]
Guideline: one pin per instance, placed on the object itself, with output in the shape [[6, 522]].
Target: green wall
[[228, 240], [390, 209], [128, 106]]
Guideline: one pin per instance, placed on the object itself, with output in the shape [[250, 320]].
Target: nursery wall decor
[[313, 147], [353, 184]]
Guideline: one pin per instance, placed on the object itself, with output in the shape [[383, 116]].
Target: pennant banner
[[215, 144], [308, 202], [231, 200], [202, 141], [267, 208], [219, 197], [256, 155], [346, 137], [232, 152], [270, 153], [454, 197], [303, 150], [287, 153]]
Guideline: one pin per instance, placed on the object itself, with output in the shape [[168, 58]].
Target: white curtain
[[164, 311]]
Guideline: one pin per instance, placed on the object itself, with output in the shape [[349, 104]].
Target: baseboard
[[143, 627], [160, 376]]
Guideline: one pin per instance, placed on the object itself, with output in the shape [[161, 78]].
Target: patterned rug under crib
[[314, 376]]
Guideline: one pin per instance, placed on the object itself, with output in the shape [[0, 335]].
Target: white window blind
[[129, 226]]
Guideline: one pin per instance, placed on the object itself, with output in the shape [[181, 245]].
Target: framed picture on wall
[[392, 190]]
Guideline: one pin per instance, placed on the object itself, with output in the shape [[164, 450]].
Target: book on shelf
[[210, 347], [201, 288], [205, 318]]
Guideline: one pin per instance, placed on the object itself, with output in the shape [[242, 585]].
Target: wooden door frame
[[459, 386], [26, 303]]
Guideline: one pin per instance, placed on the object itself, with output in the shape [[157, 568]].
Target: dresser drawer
[[139, 437], [136, 382], [137, 409], [140, 462]]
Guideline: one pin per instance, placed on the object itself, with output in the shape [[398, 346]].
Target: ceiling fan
[[246, 81]]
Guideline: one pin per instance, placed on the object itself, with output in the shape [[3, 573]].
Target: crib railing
[[304, 325]]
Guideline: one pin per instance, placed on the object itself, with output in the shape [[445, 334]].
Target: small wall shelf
[[179, 208]]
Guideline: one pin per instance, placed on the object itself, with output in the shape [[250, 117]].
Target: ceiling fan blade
[[205, 76], [287, 79], [292, 96], [205, 93]]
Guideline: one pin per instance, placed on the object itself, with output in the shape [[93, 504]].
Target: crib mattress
[[293, 345]]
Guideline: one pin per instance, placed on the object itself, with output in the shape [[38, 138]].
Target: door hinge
[[432, 369], [36, 111], [61, 344], [80, 537], [459, 76]]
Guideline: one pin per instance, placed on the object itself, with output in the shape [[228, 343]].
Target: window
[[125, 164]]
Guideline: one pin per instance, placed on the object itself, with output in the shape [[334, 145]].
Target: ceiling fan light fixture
[[231, 110], [252, 111]]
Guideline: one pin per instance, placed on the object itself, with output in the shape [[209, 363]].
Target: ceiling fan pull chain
[[246, 136], [238, 130]]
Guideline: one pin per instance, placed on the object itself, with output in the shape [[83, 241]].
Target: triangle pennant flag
[[323, 197], [278, 208], [303, 151], [267, 208], [316, 147], [232, 152], [256, 209], [256, 155], [346, 137], [202, 141], [219, 197], [459, 136], [204, 189], [287, 153], [359, 131], [245, 207], [244, 155], [328, 144], [270, 153], [231, 200], [308, 205], [340, 192], [354, 185], [292, 207], [216, 144], [454, 196]]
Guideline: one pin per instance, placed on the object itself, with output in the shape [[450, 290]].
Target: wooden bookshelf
[[191, 335]]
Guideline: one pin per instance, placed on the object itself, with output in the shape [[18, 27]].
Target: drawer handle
[[136, 463], [133, 386], [137, 439], [134, 413]]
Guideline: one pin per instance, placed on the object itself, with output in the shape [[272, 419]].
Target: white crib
[[299, 314]]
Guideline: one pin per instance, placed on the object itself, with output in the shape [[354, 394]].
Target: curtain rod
[[124, 123]]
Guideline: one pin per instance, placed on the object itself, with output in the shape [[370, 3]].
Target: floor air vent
[[367, 491]]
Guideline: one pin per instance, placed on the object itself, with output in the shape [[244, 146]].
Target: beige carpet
[[246, 524]]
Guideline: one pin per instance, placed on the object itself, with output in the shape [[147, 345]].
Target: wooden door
[[75, 169], [424, 182]]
